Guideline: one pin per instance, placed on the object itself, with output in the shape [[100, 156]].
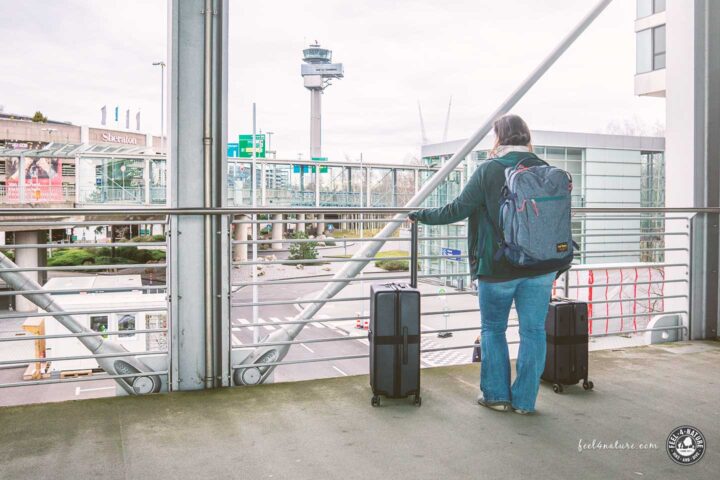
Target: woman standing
[[500, 282]]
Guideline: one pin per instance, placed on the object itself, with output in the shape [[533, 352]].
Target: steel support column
[[199, 248], [705, 248]]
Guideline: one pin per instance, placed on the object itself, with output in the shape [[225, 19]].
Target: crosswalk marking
[[444, 357], [269, 328], [316, 323]]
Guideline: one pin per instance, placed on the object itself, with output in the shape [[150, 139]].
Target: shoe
[[521, 411], [499, 406]]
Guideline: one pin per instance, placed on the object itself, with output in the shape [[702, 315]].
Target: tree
[[303, 250], [39, 117]]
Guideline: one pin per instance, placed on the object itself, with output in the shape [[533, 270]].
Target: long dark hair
[[511, 130]]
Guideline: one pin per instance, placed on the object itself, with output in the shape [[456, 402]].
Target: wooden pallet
[[76, 373]]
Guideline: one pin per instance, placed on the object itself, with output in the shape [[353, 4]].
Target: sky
[[68, 59]]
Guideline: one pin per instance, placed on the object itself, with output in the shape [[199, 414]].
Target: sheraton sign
[[109, 137]]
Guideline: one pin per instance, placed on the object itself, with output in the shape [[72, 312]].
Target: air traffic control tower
[[317, 72]]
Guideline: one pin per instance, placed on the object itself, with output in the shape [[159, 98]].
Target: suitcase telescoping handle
[[413, 253]]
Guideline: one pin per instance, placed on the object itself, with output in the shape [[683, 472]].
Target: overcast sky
[[69, 58]]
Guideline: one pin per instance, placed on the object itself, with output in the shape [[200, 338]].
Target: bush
[[148, 239], [113, 261], [71, 257], [304, 250], [393, 265]]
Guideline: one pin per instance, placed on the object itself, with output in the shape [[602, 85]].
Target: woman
[[499, 282]]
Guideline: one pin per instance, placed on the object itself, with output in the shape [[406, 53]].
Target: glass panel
[[644, 8], [556, 153], [539, 151], [659, 61], [574, 154], [99, 323], [659, 40], [126, 322], [659, 6], [643, 54]]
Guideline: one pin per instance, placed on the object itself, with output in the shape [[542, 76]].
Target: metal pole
[[207, 200], [162, 107], [255, 309], [259, 373]]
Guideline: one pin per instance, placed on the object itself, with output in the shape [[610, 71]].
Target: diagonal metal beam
[[252, 370]]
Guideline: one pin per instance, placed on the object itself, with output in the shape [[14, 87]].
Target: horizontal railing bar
[[353, 280], [93, 378], [20, 338], [17, 212], [342, 240], [85, 267], [585, 285], [98, 223], [82, 357], [642, 250], [624, 332], [629, 234], [84, 290], [57, 246], [642, 299], [349, 259], [298, 342], [316, 220], [591, 266], [344, 299], [240, 366], [81, 312], [639, 314]]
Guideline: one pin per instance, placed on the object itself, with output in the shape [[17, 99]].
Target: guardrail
[[104, 312], [633, 269]]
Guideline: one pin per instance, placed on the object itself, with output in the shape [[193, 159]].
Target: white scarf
[[503, 150]]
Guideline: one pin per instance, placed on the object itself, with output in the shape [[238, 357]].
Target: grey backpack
[[535, 217]]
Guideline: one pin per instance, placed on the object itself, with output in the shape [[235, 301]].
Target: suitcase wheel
[[375, 400], [588, 385], [418, 400], [557, 388]]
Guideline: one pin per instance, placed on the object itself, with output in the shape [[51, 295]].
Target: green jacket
[[479, 202]]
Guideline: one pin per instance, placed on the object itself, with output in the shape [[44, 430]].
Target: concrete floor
[[326, 429]]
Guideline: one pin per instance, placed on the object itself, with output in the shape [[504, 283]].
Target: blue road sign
[[450, 253]]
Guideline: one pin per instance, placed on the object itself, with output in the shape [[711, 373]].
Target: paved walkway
[[326, 429]]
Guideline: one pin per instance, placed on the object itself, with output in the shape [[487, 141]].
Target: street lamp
[[122, 170], [162, 65]]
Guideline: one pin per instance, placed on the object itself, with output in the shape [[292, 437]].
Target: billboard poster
[[41, 176]]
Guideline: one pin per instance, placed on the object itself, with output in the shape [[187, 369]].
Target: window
[[659, 48], [650, 54], [68, 170], [2, 167], [99, 323], [126, 322], [645, 8]]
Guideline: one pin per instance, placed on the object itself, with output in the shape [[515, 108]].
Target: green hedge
[[393, 265], [71, 257]]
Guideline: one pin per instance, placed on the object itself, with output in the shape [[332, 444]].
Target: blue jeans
[[532, 297]]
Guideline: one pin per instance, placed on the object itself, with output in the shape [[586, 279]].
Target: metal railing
[[102, 314], [627, 288]]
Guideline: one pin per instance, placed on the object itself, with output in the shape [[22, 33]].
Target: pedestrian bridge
[[327, 428]]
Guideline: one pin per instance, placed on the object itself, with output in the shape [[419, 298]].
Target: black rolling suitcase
[[566, 326], [394, 336]]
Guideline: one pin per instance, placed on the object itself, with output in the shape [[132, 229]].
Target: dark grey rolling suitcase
[[566, 361], [394, 336]]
